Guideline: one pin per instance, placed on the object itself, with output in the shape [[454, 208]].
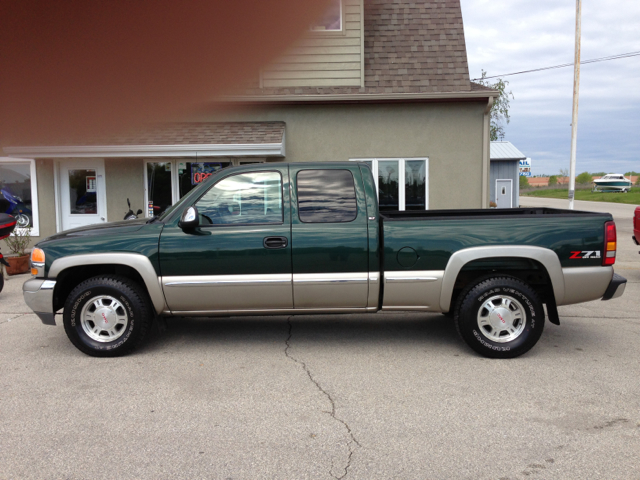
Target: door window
[[326, 196], [246, 198], [169, 180], [82, 192]]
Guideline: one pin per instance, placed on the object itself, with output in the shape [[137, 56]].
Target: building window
[[401, 183], [326, 196], [168, 181], [19, 192], [331, 20]]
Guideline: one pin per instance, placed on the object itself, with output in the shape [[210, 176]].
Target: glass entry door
[[81, 193]]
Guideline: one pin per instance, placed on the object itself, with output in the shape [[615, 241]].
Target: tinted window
[[243, 199], [326, 196]]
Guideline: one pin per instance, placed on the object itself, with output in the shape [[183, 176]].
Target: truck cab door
[[239, 257], [329, 237]]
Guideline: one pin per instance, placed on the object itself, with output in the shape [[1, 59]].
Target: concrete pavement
[[347, 396]]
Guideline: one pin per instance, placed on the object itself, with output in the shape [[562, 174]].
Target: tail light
[[610, 240]]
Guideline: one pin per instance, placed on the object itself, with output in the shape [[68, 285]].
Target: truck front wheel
[[499, 317], [107, 316]]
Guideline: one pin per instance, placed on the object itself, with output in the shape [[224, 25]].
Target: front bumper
[[616, 287], [38, 295]]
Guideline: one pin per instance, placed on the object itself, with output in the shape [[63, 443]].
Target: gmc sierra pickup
[[282, 239]]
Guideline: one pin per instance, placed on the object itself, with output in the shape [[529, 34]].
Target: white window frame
[[401, 176], [175, 187], [35, 218]]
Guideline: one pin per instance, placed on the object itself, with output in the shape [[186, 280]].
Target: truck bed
[[435, 235]]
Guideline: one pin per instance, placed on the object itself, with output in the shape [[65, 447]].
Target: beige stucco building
[[377, 81]]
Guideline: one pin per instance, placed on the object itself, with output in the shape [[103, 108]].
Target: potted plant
[[18, 243]]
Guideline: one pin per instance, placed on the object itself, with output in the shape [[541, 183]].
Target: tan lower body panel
[[413, 290], [582, 284], [331, 290], [227, 292]]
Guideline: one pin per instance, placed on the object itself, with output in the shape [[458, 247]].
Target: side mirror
[[139, 211], [190, 218]]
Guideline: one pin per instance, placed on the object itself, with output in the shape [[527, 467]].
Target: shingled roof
[[409, 47]]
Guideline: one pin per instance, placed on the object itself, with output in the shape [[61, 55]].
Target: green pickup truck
[[287, 239]]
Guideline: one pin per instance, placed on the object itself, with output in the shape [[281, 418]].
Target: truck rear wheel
[[499, 317], [107, 316]]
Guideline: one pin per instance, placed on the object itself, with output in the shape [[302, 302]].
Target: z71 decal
[[585, 254]]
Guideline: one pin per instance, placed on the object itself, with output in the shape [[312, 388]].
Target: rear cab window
[[326, 196]]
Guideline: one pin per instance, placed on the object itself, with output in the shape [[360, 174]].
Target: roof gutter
[[190, 150], [360, 97]]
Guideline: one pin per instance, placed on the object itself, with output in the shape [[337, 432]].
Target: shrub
[[553, 180], [584, 178], [19, 241], [524, 182]]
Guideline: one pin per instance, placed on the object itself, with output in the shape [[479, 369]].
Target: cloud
[[510, 36]]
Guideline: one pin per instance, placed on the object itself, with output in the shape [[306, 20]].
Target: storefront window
[[388, 191], [191, 174], [402, 183], [159, 192], [415, 185], [18, 195]]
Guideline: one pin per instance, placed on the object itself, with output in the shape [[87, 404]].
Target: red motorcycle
[[7, 224]]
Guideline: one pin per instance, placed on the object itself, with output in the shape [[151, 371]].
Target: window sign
[[91, 184], [197, 172], [202, 171], [18, 192]]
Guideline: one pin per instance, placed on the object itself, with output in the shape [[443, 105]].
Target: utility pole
[[574, 116]]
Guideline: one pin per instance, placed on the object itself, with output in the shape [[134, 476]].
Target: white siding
[[323, 59]]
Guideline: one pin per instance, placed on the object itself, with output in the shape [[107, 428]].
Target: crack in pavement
[[11, 319], [332, 413]]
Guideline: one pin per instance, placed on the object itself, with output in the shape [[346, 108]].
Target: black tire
[[1, 279], [107, 316], [511, 328]]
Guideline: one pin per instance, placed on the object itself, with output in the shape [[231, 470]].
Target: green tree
[[524, 183], [553, 180], [584, 178], [500, 108]]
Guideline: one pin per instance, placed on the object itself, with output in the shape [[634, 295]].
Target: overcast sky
[[505, 36]]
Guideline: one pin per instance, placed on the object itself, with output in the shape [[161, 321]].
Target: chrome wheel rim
[[104, 319], [501, 319], [22, 221]]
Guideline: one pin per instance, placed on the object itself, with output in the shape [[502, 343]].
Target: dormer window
[[331, 21]]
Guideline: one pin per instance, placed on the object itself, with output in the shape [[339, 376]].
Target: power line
[[593, 60]]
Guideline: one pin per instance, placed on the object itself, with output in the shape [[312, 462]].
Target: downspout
[[486, 152]]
